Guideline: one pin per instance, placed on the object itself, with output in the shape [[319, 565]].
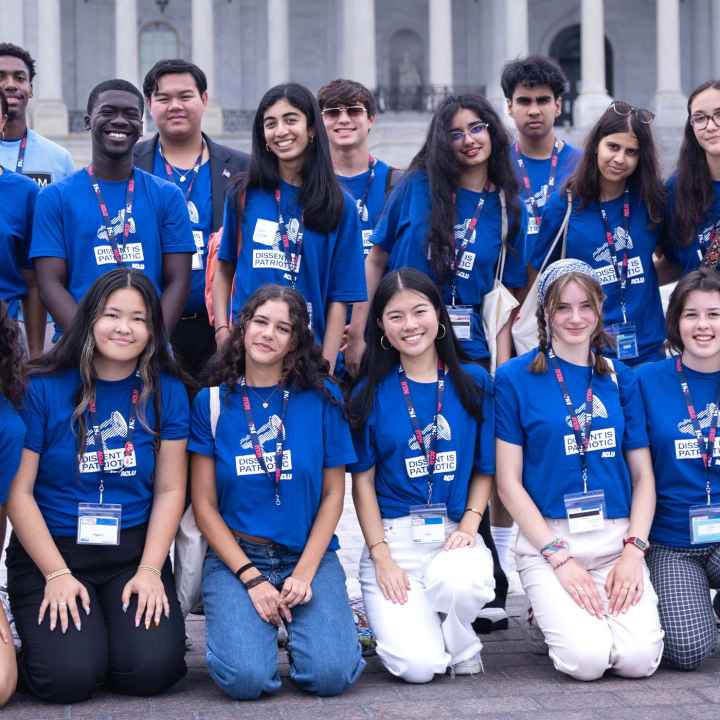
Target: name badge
[[197, 258], [98, 524], [310, 313], [625, 339], [265, 232], [461, 321], [533, 227], [705, 524], [428, 523], [585, 511], [367, 241]]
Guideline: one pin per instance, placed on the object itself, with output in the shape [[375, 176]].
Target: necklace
[[265, 401]]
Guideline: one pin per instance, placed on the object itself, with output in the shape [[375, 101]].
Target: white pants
[[413, 641], [582, 645]]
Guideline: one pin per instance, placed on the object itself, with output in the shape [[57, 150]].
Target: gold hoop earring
[[444, 332], [382, 337]]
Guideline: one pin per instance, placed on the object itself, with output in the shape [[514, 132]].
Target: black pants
[[108, 649], [193, 341]]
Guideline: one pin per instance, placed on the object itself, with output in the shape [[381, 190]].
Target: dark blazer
[[224, 164]]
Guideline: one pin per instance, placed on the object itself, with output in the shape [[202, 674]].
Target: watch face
[[638, 543]]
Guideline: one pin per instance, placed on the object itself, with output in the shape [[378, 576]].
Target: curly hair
[[533, 71], [12, 358], [303, 368]]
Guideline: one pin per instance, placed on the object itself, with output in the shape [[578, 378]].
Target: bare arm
[[222, 284], [334, 329], [666, 271], [177, 268], [34, 314], [51, 273]]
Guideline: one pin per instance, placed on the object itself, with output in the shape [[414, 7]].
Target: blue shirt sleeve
[[12, 435], [632, 403], [24, 259], [507, 410], [364, 443], [228, 250], [175, 421], [347, 271], [201, 439], [386, 231], [175, 231], [485, 442], [48, 235], [551, 221], [34, 414], [338, 441], [515, 274]]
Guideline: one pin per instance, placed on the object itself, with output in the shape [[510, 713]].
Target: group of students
[[330, 264]]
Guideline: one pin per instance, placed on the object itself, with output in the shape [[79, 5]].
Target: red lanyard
[[257, 446], [526, 178], [292, 259], [429, 452], [582, 433], [170, 172], [621, 269], [459, 250], [706, 446], [129, 194], [21, 153]]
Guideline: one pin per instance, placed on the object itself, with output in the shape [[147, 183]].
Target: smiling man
[[111, 214], [176, 97], [22, 149]]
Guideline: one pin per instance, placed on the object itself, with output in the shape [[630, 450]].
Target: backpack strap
[[214, 408], [500, 267]]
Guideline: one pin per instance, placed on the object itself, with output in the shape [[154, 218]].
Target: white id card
[[461, 320], [98, 524], [428, 523], [585, 511], [367, 241], [533, 226], [197, 258], [265, 231], [705, 524]]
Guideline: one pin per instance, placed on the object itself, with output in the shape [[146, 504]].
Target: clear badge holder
[[625, 336], [99, 524], [585, 511], [705, 524], [461, 321], [428, 523]]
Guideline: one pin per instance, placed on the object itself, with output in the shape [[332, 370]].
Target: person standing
[[176, 96]]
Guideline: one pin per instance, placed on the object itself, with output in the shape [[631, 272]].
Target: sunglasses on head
[[619, 107], [353, 111]]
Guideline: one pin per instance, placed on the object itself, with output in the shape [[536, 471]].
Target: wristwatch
[[639, 543]]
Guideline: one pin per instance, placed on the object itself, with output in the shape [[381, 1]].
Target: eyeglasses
[[700, 120], [353, 112], [457, 136], [624, 109]]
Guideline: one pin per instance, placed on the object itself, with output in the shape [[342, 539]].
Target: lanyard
[[21, 153], [292, 259], [279, 440], [429, 452], [362, 203], [582, 434], [170, 171], [98, 439], [459, 250], [526, 178], [706, 445], [621, 268], [129, 194]]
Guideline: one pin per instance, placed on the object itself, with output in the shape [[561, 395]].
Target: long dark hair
[[304, 367], [645, 180], [378, 362], [694, 193], [703, 279], [12, 357], [320, 195], [437, 158], [76, 348]]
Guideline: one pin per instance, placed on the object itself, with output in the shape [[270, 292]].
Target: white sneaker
[[471, 666]]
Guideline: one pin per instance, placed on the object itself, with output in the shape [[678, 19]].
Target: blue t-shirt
[[317, 437], [12, 435], [358, 187], [387, 441], [45, 161], [68, 225], [586, 241], [690, 256], [62, 482], [679, 471], [538, 172], [530, 412], [18, 195], [331, 267], [200, 212], [403, 230]]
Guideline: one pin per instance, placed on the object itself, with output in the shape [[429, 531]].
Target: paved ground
[[519, 683]]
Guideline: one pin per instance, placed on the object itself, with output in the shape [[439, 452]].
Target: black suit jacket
[[224, 164]]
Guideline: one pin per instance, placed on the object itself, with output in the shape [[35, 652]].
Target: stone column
[[278, 42], [593, 99], [516, 29], [669, 100], [126, 41], [357, 52], [203, 55], [12, 21], [715, 29], [51, 115], [441, 45]]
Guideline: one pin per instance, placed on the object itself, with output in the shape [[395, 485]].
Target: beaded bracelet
[[150, 568], [556, 545]]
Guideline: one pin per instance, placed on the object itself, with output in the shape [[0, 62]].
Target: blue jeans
[[325, 657]]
